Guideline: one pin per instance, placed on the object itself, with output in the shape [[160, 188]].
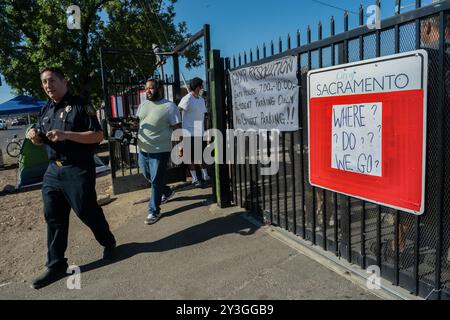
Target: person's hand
[[33, 135], [56, 135], [180, 152]]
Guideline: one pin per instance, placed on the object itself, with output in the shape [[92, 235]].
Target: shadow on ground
[[205, 231]]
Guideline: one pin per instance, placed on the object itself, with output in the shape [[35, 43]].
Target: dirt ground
[[22, 222]]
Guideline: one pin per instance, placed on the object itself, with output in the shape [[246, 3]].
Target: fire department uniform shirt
[[71, 114]]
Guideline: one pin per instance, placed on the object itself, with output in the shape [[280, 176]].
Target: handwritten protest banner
[[265, 96], [356, 138]]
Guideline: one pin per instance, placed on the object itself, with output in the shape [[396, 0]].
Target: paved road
[[195, 251]]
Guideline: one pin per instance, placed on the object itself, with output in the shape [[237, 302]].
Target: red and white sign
[[367, 129]]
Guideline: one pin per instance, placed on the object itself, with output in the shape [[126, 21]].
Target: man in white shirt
[[194, 122]]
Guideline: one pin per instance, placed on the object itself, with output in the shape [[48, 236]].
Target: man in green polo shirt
[[158, 117]]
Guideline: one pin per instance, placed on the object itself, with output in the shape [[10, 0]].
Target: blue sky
[[238, 25]]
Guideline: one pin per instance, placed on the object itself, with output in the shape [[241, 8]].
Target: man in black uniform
[[69, 129]]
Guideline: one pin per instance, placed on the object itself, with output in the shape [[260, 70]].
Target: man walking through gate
[[69, 129], [158, 117]]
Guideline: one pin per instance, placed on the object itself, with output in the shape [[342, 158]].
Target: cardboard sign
[[265, 96], [367, 129]]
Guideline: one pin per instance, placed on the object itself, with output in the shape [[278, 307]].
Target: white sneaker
[[152, 218], [197, 184]]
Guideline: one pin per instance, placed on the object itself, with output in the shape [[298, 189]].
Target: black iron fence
[[412, 251]]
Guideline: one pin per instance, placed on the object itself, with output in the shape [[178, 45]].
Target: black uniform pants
[[65, 188]]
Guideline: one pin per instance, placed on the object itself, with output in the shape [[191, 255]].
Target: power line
[[165, 35], [159, 22], [123, 42], [149, 21], [334, 7]]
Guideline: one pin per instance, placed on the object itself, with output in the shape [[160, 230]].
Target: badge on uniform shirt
[[61, 115], [90, 110], [68, 109]]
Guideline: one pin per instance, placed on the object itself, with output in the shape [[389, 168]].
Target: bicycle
[[13, 148]]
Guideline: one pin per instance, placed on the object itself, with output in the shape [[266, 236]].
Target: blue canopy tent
[[21, 105], [33, 159]]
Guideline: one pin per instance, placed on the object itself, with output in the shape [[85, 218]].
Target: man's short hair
[[158, 82], [195, 83], [57, 71]]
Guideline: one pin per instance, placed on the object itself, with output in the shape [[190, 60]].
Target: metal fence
[[411, 251]]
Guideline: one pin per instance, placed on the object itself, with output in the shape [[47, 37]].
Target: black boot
[[48, 277]]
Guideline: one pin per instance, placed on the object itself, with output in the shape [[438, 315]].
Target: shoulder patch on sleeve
[[90, 110]]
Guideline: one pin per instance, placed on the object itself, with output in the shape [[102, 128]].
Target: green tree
[[34, 34]]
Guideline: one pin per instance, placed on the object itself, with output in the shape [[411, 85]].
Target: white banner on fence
[[265, 96]]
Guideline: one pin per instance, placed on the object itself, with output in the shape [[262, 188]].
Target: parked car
[[3, 125], [18, 122]]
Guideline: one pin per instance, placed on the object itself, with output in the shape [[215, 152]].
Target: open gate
[[123, 91]]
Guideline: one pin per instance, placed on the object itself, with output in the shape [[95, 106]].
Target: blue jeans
[[153, 167]]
